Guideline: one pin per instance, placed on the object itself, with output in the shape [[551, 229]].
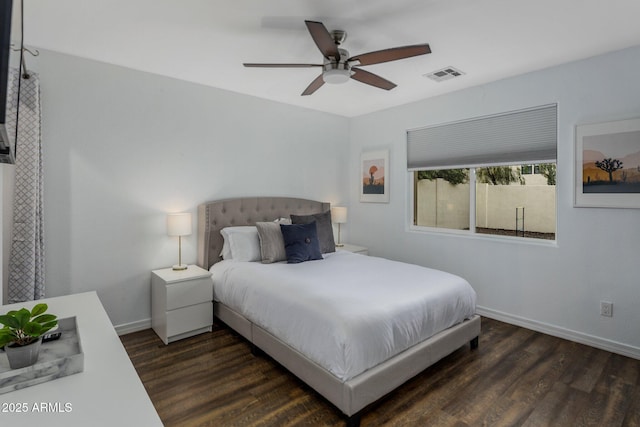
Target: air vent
[[444, 74]]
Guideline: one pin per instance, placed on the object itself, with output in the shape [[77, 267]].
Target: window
[[442, 199], [530, 169], [494, 175]]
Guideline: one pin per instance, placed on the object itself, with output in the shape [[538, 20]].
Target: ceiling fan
[[338, 67]]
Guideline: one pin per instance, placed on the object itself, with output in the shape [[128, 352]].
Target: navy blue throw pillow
[[301, 242]]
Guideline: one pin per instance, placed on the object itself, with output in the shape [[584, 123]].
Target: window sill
[[485, 237]]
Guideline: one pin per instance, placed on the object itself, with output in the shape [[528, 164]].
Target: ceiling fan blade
[[392, 54], [371, 79], [281, 65], [314, 86], [323, 39]]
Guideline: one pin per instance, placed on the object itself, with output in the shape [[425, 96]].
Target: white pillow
[[241, 243]]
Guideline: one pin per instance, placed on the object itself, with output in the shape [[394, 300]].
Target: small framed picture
[[374, 176], [607, 168]]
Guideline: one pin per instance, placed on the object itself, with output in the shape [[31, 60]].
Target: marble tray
[[57, 359]]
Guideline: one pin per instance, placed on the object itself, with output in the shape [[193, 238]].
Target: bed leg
[[474, 343], [256, 351], [354, 420]]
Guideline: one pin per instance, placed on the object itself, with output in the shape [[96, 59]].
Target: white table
[[353, 248], [107, 393]]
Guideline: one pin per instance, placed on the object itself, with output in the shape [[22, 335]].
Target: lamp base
[[339, 245], [180, 267]]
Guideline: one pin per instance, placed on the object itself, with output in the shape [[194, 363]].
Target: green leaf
[[44, 318], [33, 329], [6, 336], [22, 316], [6, 332], [39, 309], [9, 320], [47, 326]]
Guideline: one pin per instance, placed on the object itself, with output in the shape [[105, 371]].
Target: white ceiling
[[206, 41]]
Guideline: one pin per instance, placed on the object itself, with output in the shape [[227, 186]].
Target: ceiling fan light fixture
[[336, 76], [339, 67]]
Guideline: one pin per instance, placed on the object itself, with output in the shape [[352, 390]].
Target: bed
[[351, 382]]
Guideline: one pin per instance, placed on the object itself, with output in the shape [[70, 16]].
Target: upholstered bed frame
[[349, 396]]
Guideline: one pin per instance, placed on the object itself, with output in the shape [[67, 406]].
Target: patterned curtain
[[26, 264]]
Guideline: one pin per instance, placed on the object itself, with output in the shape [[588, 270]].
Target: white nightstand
[[181, 302], [353, 248]]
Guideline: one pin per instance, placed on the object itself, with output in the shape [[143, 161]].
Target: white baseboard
[[568, 334], [128, 328]]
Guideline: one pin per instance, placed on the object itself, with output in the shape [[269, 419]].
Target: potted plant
[[22, 332]]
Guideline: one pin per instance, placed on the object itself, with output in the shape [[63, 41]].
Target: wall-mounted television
[[7, 143]]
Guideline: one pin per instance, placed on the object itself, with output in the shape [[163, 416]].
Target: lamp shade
[[339, 215], [179, 224]]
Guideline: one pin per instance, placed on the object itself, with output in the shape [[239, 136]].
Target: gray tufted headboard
[[214, 216]]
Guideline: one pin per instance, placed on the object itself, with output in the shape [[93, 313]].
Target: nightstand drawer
[[182, 294], [189, 318]]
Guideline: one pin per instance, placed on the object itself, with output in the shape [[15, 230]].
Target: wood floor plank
[[516, 377], [489, 387], [623, 368], [611, 397], [561, 404], [585, 368], [504, 412], [532, 385], [632, 417]]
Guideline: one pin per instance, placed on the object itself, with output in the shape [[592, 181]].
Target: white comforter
[[347, 312]]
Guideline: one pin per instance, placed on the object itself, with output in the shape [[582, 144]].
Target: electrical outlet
[[606, 308]]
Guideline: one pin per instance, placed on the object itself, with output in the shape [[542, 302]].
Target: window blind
[[524, 136]]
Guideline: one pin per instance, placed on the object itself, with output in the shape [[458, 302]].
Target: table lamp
[[179, 224], [339, 216]]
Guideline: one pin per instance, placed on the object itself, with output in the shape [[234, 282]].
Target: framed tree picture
[[607, 168], [374, 178]]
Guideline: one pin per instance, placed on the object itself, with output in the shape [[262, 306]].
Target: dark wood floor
[[516, 377]]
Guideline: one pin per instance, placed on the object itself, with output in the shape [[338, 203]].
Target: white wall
[[122, 148], [556, 289]]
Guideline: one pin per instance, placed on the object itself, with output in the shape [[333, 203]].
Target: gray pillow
[[271, 242], [324, 227]]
